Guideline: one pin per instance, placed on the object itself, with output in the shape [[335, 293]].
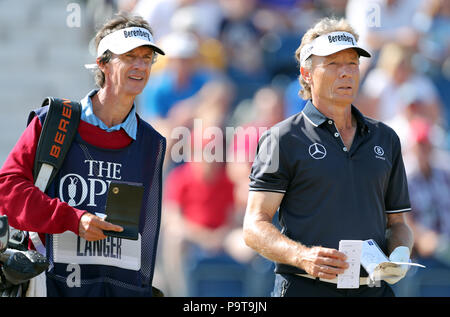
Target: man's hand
[[395, 274], [91, 227], [323, 262]]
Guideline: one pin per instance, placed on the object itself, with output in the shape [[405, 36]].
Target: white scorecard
[[352, 249]]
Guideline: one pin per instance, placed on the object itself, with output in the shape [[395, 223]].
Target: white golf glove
[[393, 274]]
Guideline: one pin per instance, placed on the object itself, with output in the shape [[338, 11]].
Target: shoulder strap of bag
[[58, 131]]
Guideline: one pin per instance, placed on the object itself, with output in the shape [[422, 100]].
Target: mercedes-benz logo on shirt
[[317, 151], [378, 150]]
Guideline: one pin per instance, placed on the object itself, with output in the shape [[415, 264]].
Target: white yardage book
[[352, 249]]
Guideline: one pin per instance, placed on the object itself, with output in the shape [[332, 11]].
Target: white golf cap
[[124, 40], [331, 43]]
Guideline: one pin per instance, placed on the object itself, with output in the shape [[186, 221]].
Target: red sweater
[[27, 207]]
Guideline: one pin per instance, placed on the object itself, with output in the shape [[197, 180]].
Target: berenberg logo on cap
[[340, 37], [137, 33]]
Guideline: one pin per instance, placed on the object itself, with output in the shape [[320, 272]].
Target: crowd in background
[[231, 63]]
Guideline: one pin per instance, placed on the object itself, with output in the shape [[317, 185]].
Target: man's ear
[[100, 64], [306, 74]]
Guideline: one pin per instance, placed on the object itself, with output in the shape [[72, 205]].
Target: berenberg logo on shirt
[[340, 38]]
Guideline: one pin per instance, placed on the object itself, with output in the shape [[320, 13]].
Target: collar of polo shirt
[[124, 40], [331, 43], [316, 118]]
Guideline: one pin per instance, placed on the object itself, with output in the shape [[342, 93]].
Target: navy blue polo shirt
[[330, 192]]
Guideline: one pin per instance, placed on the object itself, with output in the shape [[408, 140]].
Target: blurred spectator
[[240, 37], [381, 94], [211, 105], [292, 100], [203, 20], [267, 110], [381, 21], [198, 205], [200, 16], [269, 107], [336, 8], [302, 15], [429, 187], [126, 5], [412, 108], [279, 4], [435, 43], [158, 12], [199, 199], [98, 12], [434, 49], [180, 79]]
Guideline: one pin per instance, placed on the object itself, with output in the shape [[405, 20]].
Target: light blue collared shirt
[[87, 115]]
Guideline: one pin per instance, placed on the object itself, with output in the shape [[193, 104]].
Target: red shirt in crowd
[[208, 203]]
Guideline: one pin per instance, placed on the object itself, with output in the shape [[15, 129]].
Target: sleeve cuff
[[394, 211], [76, 224], [267, 190]]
